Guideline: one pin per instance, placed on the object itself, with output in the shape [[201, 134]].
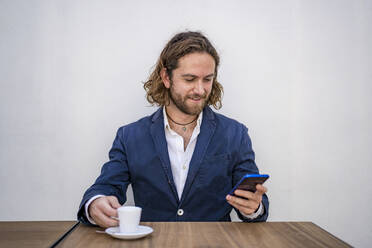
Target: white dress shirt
[[179, 161], [178, 156]]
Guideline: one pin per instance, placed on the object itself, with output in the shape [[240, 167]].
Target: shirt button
[[180, 212], [184, 167]]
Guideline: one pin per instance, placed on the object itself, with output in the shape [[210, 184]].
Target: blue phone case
[[249, 182]]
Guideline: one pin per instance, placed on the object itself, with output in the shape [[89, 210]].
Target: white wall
[[297, 73]]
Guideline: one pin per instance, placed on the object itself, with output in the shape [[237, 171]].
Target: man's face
[[191, 83]]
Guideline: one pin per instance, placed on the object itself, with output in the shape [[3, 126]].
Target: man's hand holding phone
[[247, 194], [246, 201]]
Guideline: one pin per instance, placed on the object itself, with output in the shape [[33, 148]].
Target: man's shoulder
[[140, 125], [227, 122]]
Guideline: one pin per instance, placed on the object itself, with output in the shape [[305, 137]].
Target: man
[[183, 159]]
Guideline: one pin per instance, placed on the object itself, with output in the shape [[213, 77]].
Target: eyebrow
[[192, 75]]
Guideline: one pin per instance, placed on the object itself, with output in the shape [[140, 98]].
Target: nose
[[198, 87]]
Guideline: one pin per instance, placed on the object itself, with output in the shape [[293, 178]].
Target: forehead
[[199, 64]]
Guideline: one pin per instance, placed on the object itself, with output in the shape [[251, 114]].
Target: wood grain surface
[[212, 234], [32, 233]]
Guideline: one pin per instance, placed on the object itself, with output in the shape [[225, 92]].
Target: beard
[[181, 102]]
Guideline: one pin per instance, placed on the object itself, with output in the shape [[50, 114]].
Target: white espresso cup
[[129, 218]]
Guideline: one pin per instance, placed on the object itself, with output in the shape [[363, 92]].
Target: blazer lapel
[[207, 129], [158, 136]]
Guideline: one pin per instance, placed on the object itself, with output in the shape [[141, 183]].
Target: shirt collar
[[167, 126]]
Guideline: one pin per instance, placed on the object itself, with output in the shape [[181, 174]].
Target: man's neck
[[181, 123], [185, 131], [177, 115]]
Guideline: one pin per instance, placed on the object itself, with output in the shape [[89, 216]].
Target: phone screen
[[251, 182]]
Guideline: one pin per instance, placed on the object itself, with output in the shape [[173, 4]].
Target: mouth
[[196, 99]]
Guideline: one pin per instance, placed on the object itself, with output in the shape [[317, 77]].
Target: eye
[[207, 80], [189, 79]]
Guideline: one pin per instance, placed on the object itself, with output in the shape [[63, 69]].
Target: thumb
[[114, 202], [261, 189]]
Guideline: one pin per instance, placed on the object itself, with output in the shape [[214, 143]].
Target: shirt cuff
[[87, 207], [256, 214]]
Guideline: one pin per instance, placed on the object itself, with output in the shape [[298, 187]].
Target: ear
[[165, 78]]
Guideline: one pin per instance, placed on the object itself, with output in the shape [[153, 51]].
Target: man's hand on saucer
[[245, 201], [102, 209]]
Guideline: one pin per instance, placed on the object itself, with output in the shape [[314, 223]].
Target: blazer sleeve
[[246, 164], [114, 178]]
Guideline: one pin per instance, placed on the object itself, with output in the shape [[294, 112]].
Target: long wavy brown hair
[[180, 45]]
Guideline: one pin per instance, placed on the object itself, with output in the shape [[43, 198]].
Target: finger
[[244, 193], [108, 210], [242, 202], [100, 218], [242, 209], [249, 195], [260, 189], [104, 221], [114, 202]]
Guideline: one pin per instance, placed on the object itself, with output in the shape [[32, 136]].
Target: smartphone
[[249, 182]]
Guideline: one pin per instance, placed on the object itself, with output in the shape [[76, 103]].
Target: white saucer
[[141, 232]]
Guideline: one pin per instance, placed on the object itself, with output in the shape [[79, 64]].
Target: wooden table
[[172, 234], [213, 234], [32, 233]]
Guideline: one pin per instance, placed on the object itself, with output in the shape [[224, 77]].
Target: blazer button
[[180, 212]]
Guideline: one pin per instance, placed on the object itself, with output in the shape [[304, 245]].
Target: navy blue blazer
[[139, 155]]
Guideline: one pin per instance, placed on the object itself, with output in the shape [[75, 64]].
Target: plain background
[[297, 73]]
